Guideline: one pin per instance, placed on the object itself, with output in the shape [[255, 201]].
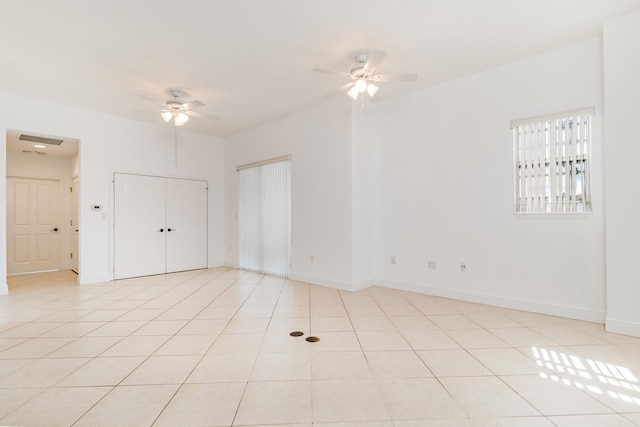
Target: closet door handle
[[161, 230], [171, 229]]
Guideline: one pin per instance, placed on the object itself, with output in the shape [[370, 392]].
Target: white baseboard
[[622, 327], [215, 263], [230, 265], [334, 284], [498, 301], [84, 279], [512, 303], [4, 289], [362, 285]]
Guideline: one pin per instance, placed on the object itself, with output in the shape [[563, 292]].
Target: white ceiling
[[250, 61]]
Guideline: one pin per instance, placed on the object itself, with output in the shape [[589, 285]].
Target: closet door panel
[[186, 224], [140, 230]]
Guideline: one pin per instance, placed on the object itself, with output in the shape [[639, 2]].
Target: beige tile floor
[[212, 348]]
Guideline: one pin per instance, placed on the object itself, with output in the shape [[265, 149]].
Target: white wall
[[429, 177], [109, 144], [444, 190], [31, 165], [362, 198], [422, 177], [319, 140], [622, 92]]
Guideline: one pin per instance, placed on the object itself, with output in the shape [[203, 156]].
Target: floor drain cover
[[296, 334], [312, 339]]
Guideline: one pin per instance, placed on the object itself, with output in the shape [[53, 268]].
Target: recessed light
[[40, 146]]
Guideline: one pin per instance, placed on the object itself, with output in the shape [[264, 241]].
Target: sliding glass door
[[264, 219]]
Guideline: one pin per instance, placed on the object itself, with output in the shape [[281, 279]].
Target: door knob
[[171, 229], [54, 229], [161, 230]]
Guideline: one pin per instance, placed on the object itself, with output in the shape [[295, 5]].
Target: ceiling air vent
[[40, 139]]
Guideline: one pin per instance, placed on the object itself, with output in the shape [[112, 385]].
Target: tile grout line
[[134, 369]]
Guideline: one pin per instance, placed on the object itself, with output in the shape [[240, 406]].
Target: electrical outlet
[[432, 264], [393, 260], [463, 267]]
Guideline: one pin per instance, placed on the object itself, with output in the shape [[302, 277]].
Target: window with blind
[[552, 156], [264, 220]]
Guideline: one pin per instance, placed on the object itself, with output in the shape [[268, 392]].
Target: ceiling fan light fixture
[[372, 89], [353, 93], [362, 75], [166, 116], [361, 85], [181, 118]]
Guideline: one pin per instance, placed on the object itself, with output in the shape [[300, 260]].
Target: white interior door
[[186, 224], [74, 225], [140, 230], [33, 225]]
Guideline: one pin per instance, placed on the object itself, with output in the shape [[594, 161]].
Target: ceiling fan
[[362, 76], [179, 110]]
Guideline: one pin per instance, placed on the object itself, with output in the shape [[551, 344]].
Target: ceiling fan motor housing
[[358, 72], [177, 93], [174, 105]]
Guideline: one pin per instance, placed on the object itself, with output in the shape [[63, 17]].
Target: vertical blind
[[265, 217], [552, 159]]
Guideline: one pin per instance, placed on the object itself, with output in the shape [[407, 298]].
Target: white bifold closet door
[[160, 225], [187, 224]]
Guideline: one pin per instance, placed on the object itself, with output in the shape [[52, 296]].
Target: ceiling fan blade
[[192, 104], [149, 111], [374, 60], [335, 73], [152, 99], [339, 91], [203, 115], [395, 77]]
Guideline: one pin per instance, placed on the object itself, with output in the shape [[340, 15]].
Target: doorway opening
[[42, 203]]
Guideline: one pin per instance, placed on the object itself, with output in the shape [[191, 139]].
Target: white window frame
[[552, 162]]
